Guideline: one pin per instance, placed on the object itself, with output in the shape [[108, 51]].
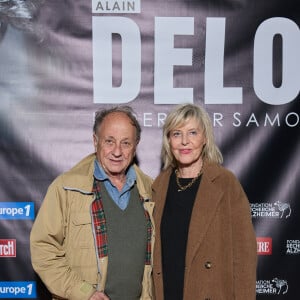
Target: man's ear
[[95, 139]]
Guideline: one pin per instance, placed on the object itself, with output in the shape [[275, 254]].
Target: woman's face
[[186, 143]]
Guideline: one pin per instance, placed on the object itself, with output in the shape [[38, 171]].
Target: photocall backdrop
[[60, 61]]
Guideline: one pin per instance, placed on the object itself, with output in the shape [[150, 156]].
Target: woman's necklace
[[184, 187]]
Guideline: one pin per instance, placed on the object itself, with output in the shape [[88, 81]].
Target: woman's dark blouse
[[174, 235]]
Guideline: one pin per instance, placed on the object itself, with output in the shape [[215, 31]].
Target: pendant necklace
[[184, 187]]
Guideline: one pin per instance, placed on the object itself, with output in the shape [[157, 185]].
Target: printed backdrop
[[63, 60]]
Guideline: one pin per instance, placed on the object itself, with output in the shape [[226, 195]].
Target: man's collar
[[100, 174]]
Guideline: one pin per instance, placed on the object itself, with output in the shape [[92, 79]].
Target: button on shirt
[[121, 198]]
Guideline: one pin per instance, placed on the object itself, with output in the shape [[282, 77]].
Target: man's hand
[[99, 296]]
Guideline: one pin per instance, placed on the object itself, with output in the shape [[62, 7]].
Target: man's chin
[[116, 171]]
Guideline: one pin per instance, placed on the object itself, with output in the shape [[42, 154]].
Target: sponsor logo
[[264, 245], [17, 289], [8, 248], [272, 287], [279, 210], [17, 210], [116, 6], [293, 247]]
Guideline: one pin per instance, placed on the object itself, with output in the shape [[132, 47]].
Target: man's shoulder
[[84, 166], [80, 174], [144, 182], [141, 174]]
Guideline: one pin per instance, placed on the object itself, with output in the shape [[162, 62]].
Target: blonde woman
[[205, 245]]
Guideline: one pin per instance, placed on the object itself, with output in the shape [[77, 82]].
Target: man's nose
[[117, 150]]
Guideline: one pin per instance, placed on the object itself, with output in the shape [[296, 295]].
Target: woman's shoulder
[[162, 177], [217, 171]]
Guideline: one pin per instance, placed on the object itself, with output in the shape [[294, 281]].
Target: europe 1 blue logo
[[17, 210], [17, 289]]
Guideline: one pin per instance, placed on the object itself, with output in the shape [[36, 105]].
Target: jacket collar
[[81, 178], [207, 200]]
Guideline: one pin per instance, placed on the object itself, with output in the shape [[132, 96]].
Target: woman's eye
[[194, 132], [176, 134]]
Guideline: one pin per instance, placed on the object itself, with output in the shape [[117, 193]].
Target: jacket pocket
[[81, 231], [81, 247]]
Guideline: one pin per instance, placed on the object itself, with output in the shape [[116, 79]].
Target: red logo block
[[8, 247], [264, 245]]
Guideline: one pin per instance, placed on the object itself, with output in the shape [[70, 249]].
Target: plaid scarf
[[99, 223]]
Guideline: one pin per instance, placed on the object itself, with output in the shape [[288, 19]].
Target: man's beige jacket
[[62, 244]]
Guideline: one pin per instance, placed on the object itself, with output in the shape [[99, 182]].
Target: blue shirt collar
[[100, 174]]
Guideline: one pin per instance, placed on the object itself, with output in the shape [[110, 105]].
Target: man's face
[[115, 143]]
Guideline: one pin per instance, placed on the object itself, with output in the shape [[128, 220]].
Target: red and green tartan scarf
[[99, 223]]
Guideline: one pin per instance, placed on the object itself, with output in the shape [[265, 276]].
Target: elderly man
[[92, 238]]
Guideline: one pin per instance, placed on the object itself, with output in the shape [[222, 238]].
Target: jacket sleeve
[[48, 255], [244, 247]]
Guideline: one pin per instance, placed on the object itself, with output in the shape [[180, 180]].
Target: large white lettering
[[103, 29], [215, 92], [263, 61], [166, 56]]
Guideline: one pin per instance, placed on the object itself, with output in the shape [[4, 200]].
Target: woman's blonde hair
[[177, 118]]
